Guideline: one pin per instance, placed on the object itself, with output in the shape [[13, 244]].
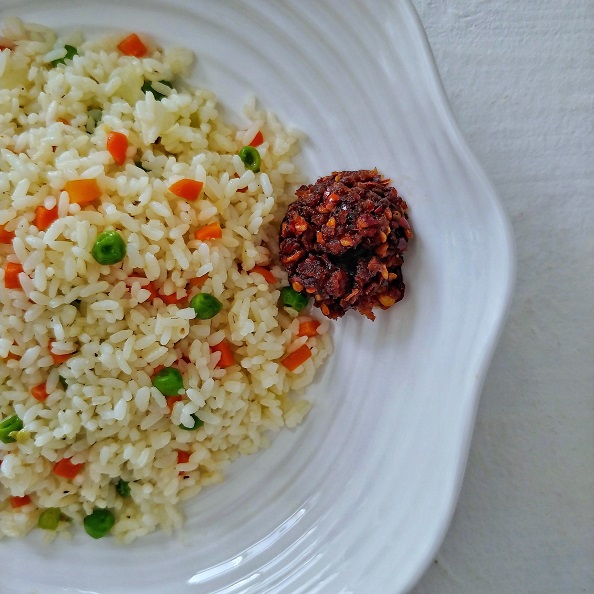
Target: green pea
[[123, 488], [206, 306], [168, 381], [147, 86], [291, 298], [71, 51], [251, 158], [197, 424], [9, 427], [99, 522], [109, 248], [50, 518]]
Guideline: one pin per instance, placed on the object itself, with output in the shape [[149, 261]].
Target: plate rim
[[449, 121]]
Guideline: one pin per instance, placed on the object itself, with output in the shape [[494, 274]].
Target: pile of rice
[[109, 417]]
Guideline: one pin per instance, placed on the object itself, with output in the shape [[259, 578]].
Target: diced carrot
[[117, 145], [6, 43], [157, 369], [150, 287], [170, 299], [132, 46], [265, 272], [16, 502], [257, 140], [189, 189], [309, 328], [227, 358], [11, 275], [199, 281], [210, 231], [6, 236], [39, 392], [44, 217], [83, 191], [66, 469], [183, 457], [58, 357], [296, 358], [171, 400]]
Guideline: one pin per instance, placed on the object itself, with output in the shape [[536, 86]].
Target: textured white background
[[520, 78]]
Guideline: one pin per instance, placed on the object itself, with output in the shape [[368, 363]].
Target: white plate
[[357, 499]]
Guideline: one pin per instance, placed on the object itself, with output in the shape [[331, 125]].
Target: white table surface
[[520, 78]]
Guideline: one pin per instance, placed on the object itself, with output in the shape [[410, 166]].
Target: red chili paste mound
[[342, 241]]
